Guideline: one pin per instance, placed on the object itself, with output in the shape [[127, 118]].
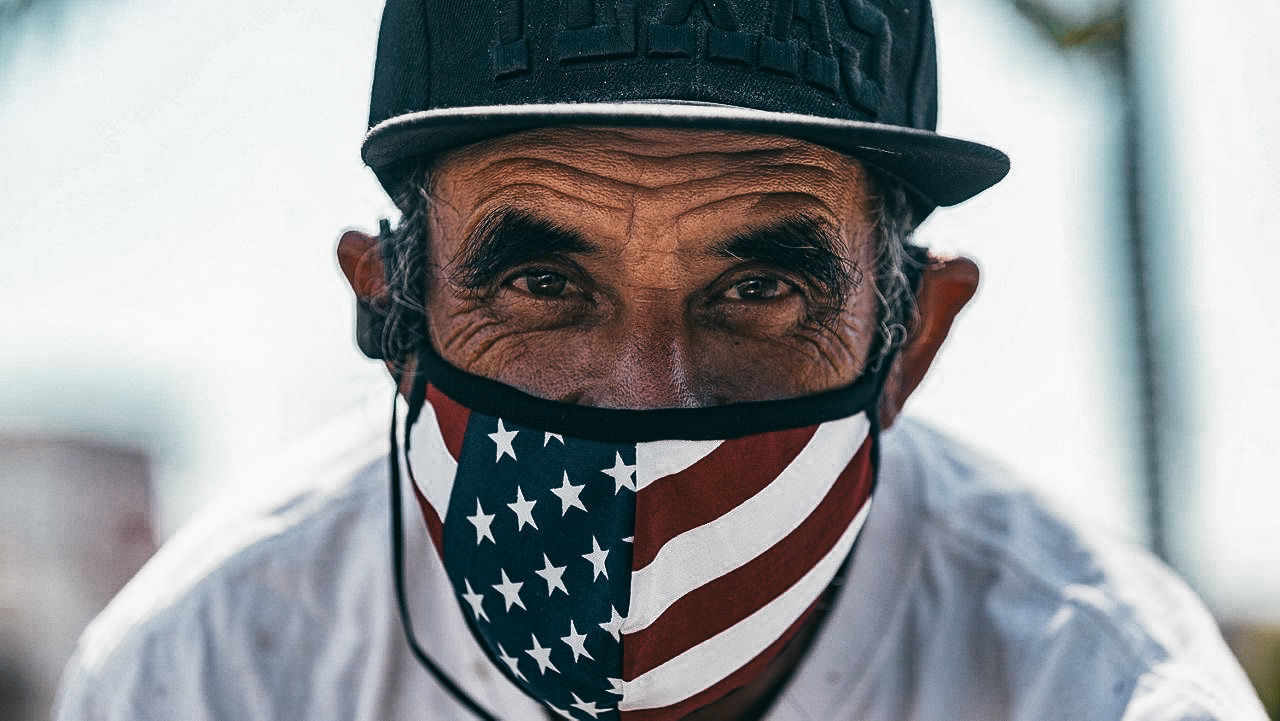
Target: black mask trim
[[622, 425]]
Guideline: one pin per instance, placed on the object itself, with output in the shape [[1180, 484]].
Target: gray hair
[[405, 325], [897, 260]]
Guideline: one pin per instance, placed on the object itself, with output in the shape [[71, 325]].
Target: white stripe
[[702, 666], [707, 552], [662, 458], [433, 467]]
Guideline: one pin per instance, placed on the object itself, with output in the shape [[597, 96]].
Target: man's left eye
[[544, 284], [757, 288]]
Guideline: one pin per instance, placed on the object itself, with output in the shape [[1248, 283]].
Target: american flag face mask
[[633, 564]]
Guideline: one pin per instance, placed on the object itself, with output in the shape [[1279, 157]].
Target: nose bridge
[[647, 367]]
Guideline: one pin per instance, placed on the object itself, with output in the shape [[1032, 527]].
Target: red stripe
[[452, 419], [451, 424], [743, 676], [735, 471], [434, 527], [726, 601]]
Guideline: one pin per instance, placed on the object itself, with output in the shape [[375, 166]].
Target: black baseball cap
[[859, 76]]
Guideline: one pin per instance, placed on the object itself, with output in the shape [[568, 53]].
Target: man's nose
[[645, 361]]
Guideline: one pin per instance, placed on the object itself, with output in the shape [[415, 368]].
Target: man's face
[[645, 268]]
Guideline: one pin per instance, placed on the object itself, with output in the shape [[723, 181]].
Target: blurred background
[[174, 177]]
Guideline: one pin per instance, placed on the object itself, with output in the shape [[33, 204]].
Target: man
[[654, 309]]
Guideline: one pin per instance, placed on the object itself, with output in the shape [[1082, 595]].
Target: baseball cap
[[858, 76]]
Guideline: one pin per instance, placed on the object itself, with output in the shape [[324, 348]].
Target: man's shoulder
[[273, 562], [1071, 611], [980, 514]]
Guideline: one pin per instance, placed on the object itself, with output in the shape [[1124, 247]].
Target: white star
[[614, 624], [616, 683], [512, 663], [553, 575], [597, 557], [503, 439], [629, 539], [510, 591], [476, 601], [481, 521], [546, 438], [542, 656], [568, 495], [587, 708], [561, 712], [577, 643], [523, 509], [621, 474]]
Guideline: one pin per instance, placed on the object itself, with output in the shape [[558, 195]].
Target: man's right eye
[[542, 283]]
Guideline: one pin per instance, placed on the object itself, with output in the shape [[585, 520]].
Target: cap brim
[[941, 170]]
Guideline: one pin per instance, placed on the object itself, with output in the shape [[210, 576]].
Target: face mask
[[644, 562]]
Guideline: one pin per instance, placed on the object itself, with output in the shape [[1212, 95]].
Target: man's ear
[[946, 285], [361, 261]]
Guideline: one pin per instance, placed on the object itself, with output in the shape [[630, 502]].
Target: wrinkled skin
[[654, 318], [653, 313]]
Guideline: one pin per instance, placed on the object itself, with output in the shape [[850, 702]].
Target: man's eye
[[542, 283], [757, 288]]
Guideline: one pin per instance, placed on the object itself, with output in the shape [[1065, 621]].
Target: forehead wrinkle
[[543, 171], [716, 160], [764, 179], [789, 202], [595, 156], [689, 145], [674, 171], [755, 194], [516, 194]]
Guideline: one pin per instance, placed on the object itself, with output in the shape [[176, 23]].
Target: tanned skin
[[687, 268]]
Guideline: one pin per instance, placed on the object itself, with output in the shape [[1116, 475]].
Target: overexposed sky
[[173, 180]]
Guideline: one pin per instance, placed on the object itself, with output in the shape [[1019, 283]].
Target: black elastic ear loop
[[397, 564], [917, 259]]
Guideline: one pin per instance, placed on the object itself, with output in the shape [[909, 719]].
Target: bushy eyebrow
[[506, 238], [800, 245]]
